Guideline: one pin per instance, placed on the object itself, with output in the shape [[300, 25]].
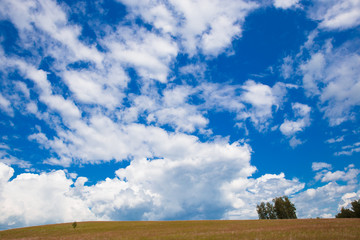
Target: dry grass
[[344, 229]]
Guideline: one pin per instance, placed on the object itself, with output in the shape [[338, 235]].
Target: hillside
[[247, 229]]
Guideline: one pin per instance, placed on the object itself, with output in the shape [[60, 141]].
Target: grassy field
[[326, 229]]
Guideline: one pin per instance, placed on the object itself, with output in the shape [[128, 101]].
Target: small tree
[[74, 225], [354, 212]]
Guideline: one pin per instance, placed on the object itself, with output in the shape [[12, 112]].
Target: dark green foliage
[[270, 211], [345, 213], [281, 209], [356, 208], [261, 209], [284, 208], [354, 212], [74, 225]]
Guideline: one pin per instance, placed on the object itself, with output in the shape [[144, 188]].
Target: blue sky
[[177, 110]]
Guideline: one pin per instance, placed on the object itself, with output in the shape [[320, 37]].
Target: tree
[[270, 211], [261, 210], [345, 213], [282, 208], [354, 212], [74, 225], [355, 205]]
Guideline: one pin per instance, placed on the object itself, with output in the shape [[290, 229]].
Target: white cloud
[[291, 127], [183, 118], [206, 26], [197, 70], [333, 75], [313, 71], [11, 160], [215, 183], [335, 140], [326, 201], [48, 17], [89, 88], [5, 105], [244, 194], [322, 201], [149, 53], [145, 190], [316, 166], [104, 140], [336, 14], [254, 101], [349, 175], [56, 103], [285, 4], [287, 68], [33, 199], [349, 149], [170, 108], [262, 100], [348, 198], [294, 142]]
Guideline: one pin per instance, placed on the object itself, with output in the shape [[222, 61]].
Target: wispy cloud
[[337, 15]]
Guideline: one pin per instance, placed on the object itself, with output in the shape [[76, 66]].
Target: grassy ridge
[[249, 229]]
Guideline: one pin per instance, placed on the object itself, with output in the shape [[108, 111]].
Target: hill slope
[[249, 229]]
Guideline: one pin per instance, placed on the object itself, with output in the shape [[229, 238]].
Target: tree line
[[283, 208]]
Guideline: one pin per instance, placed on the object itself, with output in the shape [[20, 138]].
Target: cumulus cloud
[[190, 188], [33, 199]]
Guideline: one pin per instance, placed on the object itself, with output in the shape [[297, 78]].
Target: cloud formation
[[144, 91]]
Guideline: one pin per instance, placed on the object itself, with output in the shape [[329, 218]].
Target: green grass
[[344, 229]]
